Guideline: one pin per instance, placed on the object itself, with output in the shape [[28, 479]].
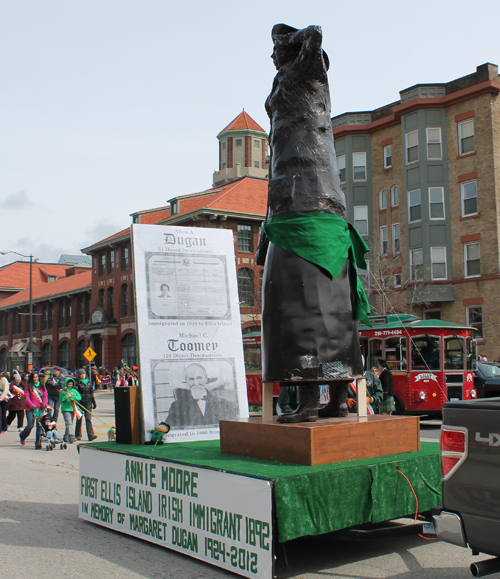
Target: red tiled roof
[[17, 274], [247, 195], [155, 216], [66, 285], [243, 122]]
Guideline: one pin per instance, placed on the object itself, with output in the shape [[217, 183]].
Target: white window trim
[[341, 168], [386, 166], [394, 238], [462, 198], [440, 143], [383, 229], [365, 208], [444, 209], [410, 206], [354, 166], [460, 138], [392, 196], [381, 205], [394, 283], [467, 316], [465, 259], [407, 148], [439, 262], [412, 265]]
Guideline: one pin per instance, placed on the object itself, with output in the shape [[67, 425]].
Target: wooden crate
[[325, 441]]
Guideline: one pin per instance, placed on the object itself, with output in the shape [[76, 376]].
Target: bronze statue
[[311, 294]]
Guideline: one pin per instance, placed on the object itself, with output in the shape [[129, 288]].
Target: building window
[[2, 324], [3, 358], [341, 167], [412, 147], [62, 313], [436, 202], [34, 319], [394, 196], [388, 157], [64, 355], [51, 278], [174, 208], [256, 164], [475, 319], [434, 143], [80, 310], [224, 145], [396, 280], [80, 349], [238, 142], [124, 301], [47, 354], [68, 313], [102, 264], [132, 300], [384, 242], [44, 317], [359, 166], [125, 257], [224, 165], [101, 298], [416, 264], [433, 315], [111, 303], [128, 350], [466, 137], [111, 261], [256, 143], [361, 219], [245, 287], [438, 263], [468, 192], [472, 259], [396, 241], [245, 238], [414, 205], [87, 308], [382, 199]]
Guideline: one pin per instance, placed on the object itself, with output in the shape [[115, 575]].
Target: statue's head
[[287, 46]]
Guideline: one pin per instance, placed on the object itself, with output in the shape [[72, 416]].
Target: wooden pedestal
[[325, 441]]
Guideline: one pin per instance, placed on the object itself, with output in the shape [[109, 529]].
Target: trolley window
[[425, 353], [471, 354], [395, 353], [454, 353], [252, 353], [375, 352]]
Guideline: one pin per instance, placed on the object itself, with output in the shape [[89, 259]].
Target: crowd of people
[[41, 395]]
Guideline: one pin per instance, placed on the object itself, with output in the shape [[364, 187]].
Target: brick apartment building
[[422, 179]]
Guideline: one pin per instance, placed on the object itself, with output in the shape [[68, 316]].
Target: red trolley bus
[[432, 361]]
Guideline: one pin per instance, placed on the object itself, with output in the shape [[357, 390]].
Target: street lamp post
[[30, 338]]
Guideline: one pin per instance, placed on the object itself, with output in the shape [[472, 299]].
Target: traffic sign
[[89, 354]]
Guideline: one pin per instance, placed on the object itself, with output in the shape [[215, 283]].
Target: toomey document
[[221, 518], [189, 330]]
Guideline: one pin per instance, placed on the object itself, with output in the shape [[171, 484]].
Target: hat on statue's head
[[279, 35]]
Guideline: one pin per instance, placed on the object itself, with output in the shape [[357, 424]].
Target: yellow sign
[[89, 354]]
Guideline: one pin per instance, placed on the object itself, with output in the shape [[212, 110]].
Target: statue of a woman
[[311, 294]]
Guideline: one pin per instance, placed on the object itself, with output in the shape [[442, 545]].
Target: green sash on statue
[[325, 240]]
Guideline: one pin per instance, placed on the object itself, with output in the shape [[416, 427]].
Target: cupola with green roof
[[242, 151]]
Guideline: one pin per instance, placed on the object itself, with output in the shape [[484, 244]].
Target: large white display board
[[189, 330], [221, 518]]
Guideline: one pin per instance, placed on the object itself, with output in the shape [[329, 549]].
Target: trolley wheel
[[400, 407]]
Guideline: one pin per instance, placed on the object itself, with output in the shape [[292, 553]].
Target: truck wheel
[[400, 407]]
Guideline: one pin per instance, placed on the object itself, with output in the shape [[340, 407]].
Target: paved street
[[41, 535]]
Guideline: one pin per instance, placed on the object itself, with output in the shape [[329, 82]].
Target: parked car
[[487, 380]]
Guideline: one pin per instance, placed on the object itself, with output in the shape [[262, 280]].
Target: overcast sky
[[109, 107]]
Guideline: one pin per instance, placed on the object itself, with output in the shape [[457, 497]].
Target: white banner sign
[[189, 330], [221, 518]]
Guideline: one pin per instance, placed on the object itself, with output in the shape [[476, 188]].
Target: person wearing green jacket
[[67, 395], [86, 390]]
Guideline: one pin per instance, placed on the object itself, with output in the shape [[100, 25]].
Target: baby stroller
[[50, 436]]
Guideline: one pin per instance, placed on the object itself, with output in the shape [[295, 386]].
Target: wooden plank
[[267, 401], [361, 397], [326, 441]]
